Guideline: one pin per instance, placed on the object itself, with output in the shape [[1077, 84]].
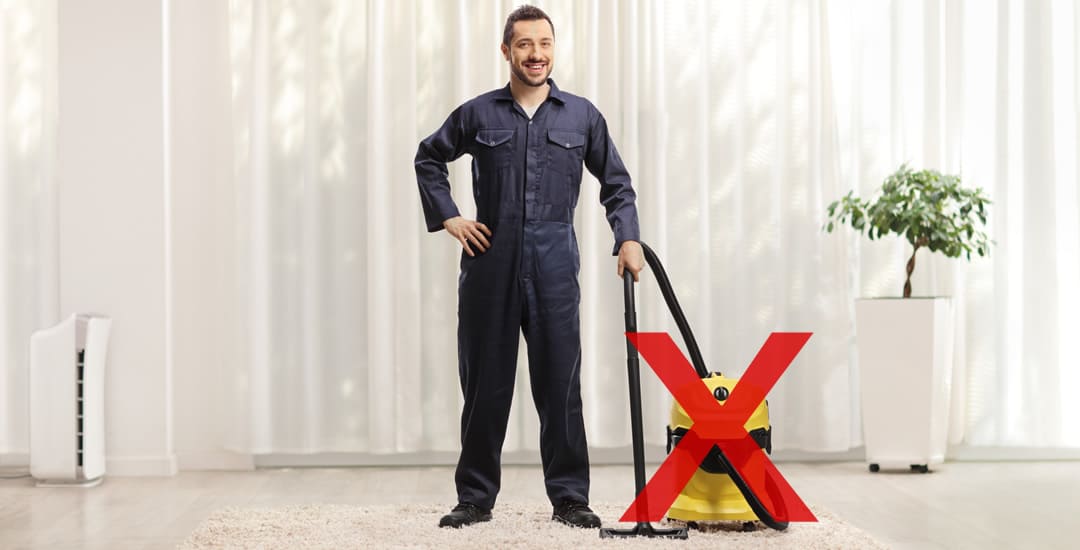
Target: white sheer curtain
[[987, 90], [28, 272], [740, 121]]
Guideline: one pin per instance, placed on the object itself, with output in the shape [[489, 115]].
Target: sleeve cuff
[[619, 242], [440, 215]]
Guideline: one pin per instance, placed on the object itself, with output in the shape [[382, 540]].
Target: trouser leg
[[552, 333], [488, 329]]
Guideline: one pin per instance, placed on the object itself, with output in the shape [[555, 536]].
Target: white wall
[[202, 235], [111, 185]]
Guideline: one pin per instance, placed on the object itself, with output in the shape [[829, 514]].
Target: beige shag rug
[[513, 525]]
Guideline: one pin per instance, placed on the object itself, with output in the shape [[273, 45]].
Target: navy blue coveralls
[[526, 179]]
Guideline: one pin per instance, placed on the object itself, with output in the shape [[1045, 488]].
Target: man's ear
[[505, 51]]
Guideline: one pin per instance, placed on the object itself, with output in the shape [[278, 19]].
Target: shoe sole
[[585, 526], [480, 519]]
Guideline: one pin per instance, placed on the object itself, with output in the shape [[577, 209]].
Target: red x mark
[[721, 425]]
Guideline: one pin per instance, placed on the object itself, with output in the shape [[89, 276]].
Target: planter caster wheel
[[874, 468], [749, 526], [920, 468]]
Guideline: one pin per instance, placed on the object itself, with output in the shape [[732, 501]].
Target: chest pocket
[[494, 148], [566, 150]]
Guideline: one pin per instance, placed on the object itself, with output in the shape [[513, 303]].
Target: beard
[[524, 77]]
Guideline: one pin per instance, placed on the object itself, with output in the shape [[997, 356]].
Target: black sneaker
[[575, 514], [465, 514]]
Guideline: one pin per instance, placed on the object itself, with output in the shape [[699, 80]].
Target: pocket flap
[[493, 137], [566, 138]]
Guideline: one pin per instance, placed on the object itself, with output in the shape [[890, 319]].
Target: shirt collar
[[556, 94]]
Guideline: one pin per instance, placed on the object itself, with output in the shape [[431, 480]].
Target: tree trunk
[[910, 268]]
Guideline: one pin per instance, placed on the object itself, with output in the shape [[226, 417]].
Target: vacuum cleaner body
[[716, 491], [711, 495]]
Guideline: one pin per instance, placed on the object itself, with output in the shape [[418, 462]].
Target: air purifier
[[67, 401]]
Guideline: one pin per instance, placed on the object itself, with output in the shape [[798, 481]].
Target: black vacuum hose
[[676, 311]]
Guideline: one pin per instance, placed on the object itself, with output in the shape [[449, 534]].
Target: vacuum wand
[[633, 368]]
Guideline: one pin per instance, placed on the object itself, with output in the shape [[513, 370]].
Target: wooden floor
[[977, 505]]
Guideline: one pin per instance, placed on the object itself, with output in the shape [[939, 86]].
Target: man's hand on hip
[[469, 233], [631, 257]]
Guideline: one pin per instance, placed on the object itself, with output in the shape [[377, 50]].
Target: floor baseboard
[[654, 454]]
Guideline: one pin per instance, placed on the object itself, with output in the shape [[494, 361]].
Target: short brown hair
[[524, 13]]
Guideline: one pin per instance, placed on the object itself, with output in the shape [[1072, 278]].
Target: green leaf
[[925, 207]]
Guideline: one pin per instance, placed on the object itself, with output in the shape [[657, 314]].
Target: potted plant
[[905, 344]]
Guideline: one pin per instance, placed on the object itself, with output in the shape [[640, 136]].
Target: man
[[520, 262]]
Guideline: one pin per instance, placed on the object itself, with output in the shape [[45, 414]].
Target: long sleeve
[[435, 151], [616, 193]]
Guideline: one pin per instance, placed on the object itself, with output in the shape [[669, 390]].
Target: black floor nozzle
[[644, 530]]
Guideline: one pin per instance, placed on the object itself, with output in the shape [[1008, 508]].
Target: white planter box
[[905, 349]]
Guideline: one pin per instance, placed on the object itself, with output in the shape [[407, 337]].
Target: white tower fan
[[67, 402]]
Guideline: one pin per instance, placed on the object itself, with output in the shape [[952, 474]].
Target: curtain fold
[[740, 122], [29, 271]]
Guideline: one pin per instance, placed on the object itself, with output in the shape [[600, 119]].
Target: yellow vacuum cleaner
[[712, 495], [716, 492]]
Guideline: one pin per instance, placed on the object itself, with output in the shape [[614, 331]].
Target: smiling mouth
[[535, 67]]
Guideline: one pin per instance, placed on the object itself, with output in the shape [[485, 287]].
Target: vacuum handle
[[628, 301]]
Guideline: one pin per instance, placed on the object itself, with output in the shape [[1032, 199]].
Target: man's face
[[532, 52]]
